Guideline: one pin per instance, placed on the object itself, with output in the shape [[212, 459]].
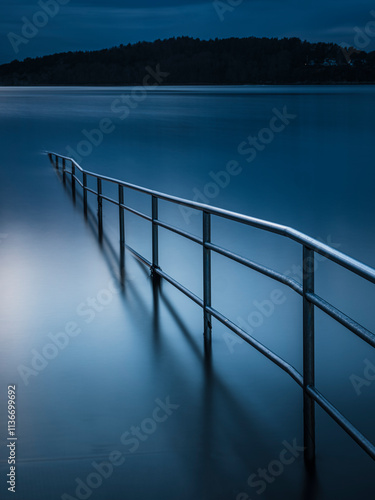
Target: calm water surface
[[133, 348]]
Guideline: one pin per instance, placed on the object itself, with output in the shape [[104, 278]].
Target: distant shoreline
[[187, 61]]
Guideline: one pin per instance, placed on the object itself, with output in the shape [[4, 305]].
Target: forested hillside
[[193, 61]]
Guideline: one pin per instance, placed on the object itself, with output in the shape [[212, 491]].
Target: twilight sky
[[96, 24]]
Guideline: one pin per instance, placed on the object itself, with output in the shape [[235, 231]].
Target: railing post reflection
[[308, 354], [156, 284]]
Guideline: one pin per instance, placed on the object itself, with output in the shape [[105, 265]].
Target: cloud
[[96, 24]]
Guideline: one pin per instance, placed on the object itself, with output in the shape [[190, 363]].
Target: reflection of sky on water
[[140, 347]]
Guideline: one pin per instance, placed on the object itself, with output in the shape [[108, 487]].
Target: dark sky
[[97, 24]]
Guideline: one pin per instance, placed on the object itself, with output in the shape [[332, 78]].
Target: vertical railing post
[[84, 182], [100, 209], [73, 181], [207, 278], [56, 162], [121, 219], [63, 171], [121, 216], [308, 354], [155, 236]]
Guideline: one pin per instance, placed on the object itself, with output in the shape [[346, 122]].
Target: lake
[[300, 156]]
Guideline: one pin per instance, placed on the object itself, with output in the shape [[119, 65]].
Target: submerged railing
[[306, 289]]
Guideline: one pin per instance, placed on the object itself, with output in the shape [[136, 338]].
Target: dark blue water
[[128, 351]]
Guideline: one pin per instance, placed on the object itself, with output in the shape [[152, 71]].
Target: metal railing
[[310, 246]]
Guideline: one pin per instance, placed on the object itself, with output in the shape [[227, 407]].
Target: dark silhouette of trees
[[231, 61]]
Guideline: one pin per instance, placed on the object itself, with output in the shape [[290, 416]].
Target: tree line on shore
[[189, 61]]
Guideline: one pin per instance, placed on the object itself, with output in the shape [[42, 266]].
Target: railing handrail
[[306, 289], [323, 249]]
